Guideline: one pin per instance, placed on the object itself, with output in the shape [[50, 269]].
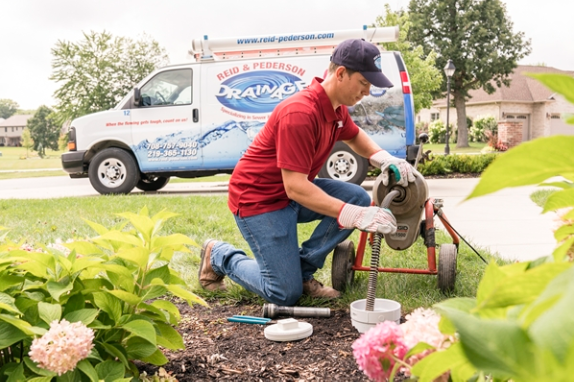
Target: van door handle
[[195, 115]]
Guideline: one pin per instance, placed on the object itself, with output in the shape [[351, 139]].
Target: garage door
[[559, 127]]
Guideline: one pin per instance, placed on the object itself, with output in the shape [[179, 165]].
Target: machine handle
[[396, 171]]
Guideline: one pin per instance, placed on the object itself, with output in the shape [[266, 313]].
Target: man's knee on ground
[[286, 296]]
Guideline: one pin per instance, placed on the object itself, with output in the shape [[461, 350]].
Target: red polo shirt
[[299, 136]]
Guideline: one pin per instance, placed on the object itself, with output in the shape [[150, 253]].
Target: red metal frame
[[430, 209]]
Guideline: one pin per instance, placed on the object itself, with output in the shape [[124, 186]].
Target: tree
[[425, 77], [27, 141], [96, 73], [44, 130], [7, 108], [477, 35]]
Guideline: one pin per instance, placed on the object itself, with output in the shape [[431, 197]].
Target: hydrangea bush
[[85, 310]]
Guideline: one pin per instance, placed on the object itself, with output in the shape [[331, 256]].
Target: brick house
[[525, 110], [11, 130]]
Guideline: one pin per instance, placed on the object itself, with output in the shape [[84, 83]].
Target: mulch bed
[[218, 350]]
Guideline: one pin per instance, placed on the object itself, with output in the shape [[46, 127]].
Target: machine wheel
[[344, 164], [342, 273], [153, 183], [446, 267], [113, 171]]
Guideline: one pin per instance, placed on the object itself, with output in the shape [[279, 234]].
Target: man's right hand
[[369, 219]]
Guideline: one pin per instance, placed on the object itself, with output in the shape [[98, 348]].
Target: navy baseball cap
[[363, 57]]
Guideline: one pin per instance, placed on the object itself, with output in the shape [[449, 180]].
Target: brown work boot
[[208, 279], [314, 288]]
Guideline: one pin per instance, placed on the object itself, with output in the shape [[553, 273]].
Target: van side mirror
[[137, 96]]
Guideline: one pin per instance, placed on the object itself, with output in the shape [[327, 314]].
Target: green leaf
[[85, 262], [167, 306], [464, 304], [86, 367], [56, 289], [136, 255], [117, 269], [169, 338], [156, 358], [9, 335], [100, 229], [141, 223], [554, 329], [186, 295], [9, 280], [522, 288], [85, 316], [563, 232], [109, 370], [117, 352], [17, 374], [7, 303], [49, 312], [38, 370], [40, 379], [122, 237], [142, 329], [109, 304], [559, 199], [492, 276], [130, 298], [562, 250], [560, 83], [498, 347], [437, 363], [526, 164], [161, 272], [176, 239], [139, 348], [18, 323]]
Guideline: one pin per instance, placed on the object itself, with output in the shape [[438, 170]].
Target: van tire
[[345, 165], [113, 171], [152, 184]]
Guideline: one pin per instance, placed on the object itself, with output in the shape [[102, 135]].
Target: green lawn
[[18, 158], [203, 217]]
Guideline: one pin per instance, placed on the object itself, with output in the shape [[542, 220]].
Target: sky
[[31, 28]]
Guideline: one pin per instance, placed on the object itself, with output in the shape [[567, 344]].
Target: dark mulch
[[218, 350]]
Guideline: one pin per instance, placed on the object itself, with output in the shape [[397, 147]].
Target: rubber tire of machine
[[157, 183], [357, 165], [447, 267], [342, 273], [128, 169]]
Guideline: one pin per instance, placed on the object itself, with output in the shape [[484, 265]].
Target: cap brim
[[377, 79]]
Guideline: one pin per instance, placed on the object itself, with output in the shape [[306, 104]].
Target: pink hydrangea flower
[[62, 347], [377, 350]]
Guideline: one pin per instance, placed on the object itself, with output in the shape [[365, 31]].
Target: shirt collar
[[329, 114]]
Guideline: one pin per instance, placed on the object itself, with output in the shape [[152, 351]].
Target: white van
[[197, 119]]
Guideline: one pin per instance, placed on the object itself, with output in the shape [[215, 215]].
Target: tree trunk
[[461, 120]]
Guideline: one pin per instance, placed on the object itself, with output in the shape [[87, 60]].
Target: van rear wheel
[[113, 171], [152, 183], [345, 165]]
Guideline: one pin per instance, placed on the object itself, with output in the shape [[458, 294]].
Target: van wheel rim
[[112, 173], [342, 166]]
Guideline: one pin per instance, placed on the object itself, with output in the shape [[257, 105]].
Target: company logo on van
[[258, 91]]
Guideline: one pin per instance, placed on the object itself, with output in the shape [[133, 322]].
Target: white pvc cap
[[288, 329]]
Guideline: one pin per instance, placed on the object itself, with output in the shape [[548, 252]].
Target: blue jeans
[[280, 265]]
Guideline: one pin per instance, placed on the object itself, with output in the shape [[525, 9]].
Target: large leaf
[[56, 289], [109, 370], [85, 262], [136, 255], [167, 306], [9, 280], [84, 248], [156, 358], [38, 370], [122, 237], [86, 367], [141, 223], [118, 352], [18, 323], [528, 163], [498, 347], [176, 239], [139, 348], [7, 302], [49, 312], [9, 335], [554, 329], [109, 304], [560, 83], [559, 199], [169, 337], [161, 273], [437, 363], [142, 329], [130, 298], [186, 295], [85, 316]]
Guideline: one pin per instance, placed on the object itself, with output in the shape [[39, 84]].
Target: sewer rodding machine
[[415, 212]]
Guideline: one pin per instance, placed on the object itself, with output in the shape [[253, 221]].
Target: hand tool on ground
[[249, 319], [272, 311]]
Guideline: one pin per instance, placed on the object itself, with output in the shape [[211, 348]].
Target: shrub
[[437, 132], [482, 124], [110, 283], [457, 163]]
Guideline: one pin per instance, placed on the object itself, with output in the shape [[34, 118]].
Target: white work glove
[[369, 219], [384, 161]]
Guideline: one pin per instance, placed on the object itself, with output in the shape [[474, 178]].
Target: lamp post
[[449, 71]]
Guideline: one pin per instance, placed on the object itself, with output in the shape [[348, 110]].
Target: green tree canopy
[[97, 72], [425, 77], [477, 36], [7, 108], [44, 130]]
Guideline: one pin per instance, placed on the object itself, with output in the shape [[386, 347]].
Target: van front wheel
[[113, 171], [344, 164]]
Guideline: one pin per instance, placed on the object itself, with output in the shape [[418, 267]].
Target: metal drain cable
[[439, 212]]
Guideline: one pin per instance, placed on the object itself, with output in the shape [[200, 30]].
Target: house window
[[555, 116], [434, 116]]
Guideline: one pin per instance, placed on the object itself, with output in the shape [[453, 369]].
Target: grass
[[202, 217], [438, 148], [16, 158]]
